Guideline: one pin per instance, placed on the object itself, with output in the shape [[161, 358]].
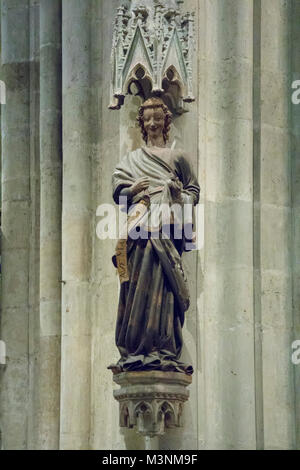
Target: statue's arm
[[191, 187], [122, 191], [125, 185], [122, 180]]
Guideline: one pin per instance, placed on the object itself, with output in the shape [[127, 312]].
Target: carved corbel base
[[151, 401]]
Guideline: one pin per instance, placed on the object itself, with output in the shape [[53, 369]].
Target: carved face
[[154, 122]]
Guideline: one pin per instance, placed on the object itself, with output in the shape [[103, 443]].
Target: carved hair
[[154, 103]]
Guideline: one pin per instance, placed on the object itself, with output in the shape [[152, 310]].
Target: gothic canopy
[[152, 52]]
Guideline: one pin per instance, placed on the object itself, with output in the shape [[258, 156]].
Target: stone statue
[[154, 294]]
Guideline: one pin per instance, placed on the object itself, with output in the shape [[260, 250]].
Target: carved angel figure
[[154, 294]]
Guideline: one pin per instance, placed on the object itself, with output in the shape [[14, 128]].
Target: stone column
[[296, 202], [34, 253], [227, 147], [275, 227], [50, 223], [104, 286], [15, 222], [76, 226]]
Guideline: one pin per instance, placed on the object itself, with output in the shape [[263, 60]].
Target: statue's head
[[154, 118]]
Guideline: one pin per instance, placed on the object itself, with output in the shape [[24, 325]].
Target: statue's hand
[[176, 187], [140, 185]]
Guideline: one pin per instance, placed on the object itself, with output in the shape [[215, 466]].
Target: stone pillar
[[296, 202], [50, 223], [15, 222], [34, 253], [275, 255], [104, 287], [76, 226], [227, 147]]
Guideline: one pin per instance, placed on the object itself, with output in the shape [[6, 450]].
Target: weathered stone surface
[[14, 393], [275, 230], [50, 231], [75, 397]]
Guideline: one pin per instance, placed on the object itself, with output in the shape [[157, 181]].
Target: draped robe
[[154, 294]]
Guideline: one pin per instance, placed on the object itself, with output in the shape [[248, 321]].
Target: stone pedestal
[[152, 401]]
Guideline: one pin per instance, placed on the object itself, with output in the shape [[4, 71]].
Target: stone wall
[[60, 144]]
